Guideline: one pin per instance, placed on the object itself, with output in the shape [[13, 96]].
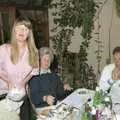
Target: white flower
[[93, 111], [107, 99], [97, 89]]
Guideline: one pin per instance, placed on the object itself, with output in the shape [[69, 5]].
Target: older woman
[[18, 60], [46, 87]]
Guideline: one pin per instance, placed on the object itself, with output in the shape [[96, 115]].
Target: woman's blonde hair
[[33, 54], [46, 51]]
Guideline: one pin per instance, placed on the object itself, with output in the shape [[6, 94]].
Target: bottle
[[87, 114], [98, 103]]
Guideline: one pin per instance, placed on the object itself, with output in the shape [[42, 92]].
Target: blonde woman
[[18, 61]]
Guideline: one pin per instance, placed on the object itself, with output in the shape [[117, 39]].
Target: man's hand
[[67, 87], [49, 99]]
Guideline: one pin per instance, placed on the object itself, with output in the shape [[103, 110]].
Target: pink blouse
[[17, 71]]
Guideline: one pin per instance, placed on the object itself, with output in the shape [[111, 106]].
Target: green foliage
[[69, 15], [62, 40], [86, 116], [118, 7], [102, 99], [98, 98]]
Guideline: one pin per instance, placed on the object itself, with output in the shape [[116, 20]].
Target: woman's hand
[[25, 79], [10, 85], [6, 86], [6, 78]]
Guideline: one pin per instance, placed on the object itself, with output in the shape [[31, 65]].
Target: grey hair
[[46, 51]]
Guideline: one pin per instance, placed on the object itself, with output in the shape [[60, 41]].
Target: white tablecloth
[[68, 110]]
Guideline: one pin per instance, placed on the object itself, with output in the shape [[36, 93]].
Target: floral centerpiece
[[101, 108]]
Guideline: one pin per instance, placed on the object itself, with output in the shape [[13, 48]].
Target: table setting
[[83, 104], [68, 109]]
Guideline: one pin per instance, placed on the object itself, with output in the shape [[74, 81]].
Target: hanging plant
[[118, 7], [69, 15]]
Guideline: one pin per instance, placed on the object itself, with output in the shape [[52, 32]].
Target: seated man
[[46, 88]]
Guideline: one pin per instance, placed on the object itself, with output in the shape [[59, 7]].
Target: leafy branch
[[69, 15]]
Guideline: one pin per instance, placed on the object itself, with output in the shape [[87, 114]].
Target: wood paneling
[[7, 16], [39, 20]]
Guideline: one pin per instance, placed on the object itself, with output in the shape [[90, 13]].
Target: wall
[[109, 35]]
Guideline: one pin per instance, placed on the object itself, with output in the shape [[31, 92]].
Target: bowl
[[16, 94]]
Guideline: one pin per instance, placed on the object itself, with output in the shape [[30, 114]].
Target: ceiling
[[26, 4]]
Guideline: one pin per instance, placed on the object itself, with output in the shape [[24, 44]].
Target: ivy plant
[[118, 7], [69, 15]]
